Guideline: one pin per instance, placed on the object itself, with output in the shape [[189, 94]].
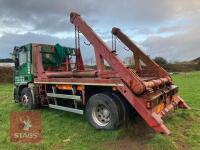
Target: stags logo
[[25, 127]]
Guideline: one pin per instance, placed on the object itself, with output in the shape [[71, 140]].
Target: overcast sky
[[167, 28]]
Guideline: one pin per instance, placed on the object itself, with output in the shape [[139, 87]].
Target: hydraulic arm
[[134, 88]]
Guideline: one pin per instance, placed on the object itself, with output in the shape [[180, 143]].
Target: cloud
[[181, 46], [46, 15], [157, 25], [53, 16], [172, 29], [8, 41]]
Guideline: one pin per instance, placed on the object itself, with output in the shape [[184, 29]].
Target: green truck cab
[[22, 72], [25, 58]]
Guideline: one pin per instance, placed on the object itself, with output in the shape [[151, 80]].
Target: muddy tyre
[[102, 112], [123, 108], [26, 99]]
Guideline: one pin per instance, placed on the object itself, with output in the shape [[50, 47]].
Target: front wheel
[[102, 111], [27, 98]]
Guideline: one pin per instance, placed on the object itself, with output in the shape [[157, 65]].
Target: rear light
[[148, 104], [151, 103], [162, 97], [160, 107], [156, 100]]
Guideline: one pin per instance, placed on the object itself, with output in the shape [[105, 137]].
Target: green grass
[[63, 130]]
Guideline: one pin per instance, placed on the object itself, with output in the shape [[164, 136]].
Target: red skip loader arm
[[132, 82], [128, 77], [139, 53]]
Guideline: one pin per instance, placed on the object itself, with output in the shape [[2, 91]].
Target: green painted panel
[[23, 74]]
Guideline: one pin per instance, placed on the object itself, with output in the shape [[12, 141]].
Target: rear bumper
[[177, 102], [160, 96]]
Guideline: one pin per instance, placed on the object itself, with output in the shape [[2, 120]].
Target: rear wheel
[[102, 111], [27, 98], [123, 107]]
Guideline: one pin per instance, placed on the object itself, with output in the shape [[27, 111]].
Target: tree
[[161, 61]]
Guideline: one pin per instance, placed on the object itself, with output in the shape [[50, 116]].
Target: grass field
[[63, 130]]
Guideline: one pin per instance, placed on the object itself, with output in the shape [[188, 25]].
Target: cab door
[[22, 71]]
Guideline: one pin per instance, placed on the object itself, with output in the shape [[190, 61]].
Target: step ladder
[[42, 90], [73, 97]]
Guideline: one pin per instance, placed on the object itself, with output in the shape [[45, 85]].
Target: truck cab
[[22, 71]]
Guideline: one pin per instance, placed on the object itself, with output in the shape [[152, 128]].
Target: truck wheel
[[102, 112], [15, 96], [27, 98], [124, 108]]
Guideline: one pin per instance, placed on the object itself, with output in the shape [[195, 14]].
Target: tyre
[[102, 112], [15, 96], [26, 98], [123, 108]]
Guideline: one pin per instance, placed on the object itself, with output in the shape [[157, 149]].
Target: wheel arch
[[92, 90], [17, 91]]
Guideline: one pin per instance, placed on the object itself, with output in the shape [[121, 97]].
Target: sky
[[165, 28]]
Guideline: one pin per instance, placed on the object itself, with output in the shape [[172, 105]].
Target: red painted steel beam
[[139, 53], [152, 119], [40, 69], [80, 81], [157, 82], [132, 80], [81, 74], [181, 103]]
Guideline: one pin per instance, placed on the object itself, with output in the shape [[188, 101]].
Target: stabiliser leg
[[181, 103], [152, 119]]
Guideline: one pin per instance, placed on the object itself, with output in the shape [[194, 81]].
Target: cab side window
[[22, 57]]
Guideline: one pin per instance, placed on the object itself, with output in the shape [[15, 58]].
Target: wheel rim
[[25, 100], [101, 115]]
